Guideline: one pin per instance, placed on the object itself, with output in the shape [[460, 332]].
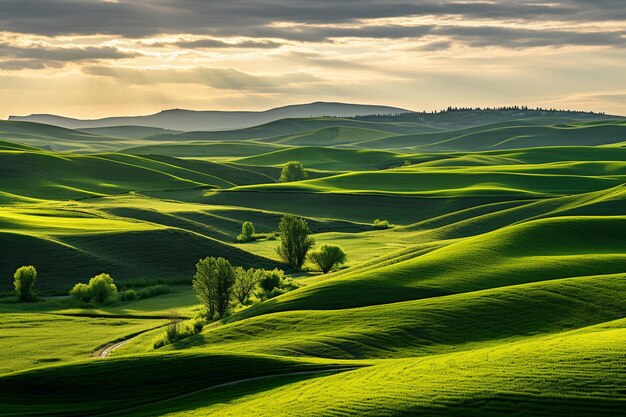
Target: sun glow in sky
[[99, 58]]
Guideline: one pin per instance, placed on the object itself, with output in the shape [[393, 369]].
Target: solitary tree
[[24, 280], [295, 241], [293, 171], [327, 257], [247, 231], [213, 283], [245, 281], [102, 288]]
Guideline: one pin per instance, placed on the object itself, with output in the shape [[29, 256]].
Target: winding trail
[[106, 350], [226, 384]]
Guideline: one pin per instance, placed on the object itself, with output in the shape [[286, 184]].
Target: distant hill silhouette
[[190, 120]]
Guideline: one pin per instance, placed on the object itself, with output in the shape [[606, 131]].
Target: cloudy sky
[[95, 58]]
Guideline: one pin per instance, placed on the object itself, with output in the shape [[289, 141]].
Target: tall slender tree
[[295, 241]]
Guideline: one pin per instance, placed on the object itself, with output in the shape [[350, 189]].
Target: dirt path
[[106, 350], [226, 384]]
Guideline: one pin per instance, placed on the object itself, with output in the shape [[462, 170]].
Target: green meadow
[[497, 288]]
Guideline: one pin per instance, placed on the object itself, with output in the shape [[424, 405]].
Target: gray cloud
[[520, 38], [218, 44], [219, 78], [37, 57], [139, 18]]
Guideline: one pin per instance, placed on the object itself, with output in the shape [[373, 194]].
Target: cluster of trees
[[220, 286], [249, 234], [100, 289], [413, 115], [295, 244]]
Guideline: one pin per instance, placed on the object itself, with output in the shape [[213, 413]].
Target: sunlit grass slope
[[398, 208], [466, 181], [510, 135], [428, 326], [51, 175], [329, 136], [577, 373], [204, 149], [499, 290], [37, 340], [77, 389], [54, 137], [533, 251], [334, 159], [282, 128], [65, 257]]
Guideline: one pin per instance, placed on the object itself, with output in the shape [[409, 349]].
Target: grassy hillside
[[130, 132], [71, 388], [538, 181], [69, 176], [288, 127], [507, 136], [334, 159], [498, 288], [211, 150], [574, 374], [53, 137]]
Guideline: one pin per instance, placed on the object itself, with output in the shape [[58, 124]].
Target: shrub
[[275, 293], [381, 224], [81, 292], [271, 279], [24, 281], [288, 284], [153, 291], [127, 295], [213, 283], [293, 171], [178, 330], [327, 257], [173, 331], [271, 236], [102, 288], [197, 325], [247, 232], [295, 241]]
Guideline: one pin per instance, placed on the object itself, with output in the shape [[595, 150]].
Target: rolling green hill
[[333, 159], [498, 288], [507, 136]]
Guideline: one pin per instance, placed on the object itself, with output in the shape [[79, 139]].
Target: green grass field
[[499, 289]]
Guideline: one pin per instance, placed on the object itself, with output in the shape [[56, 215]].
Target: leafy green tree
[[295, 241], [269, 280], [81, 292], [293, 171], [213, 283], [245, 282], [24, 281], [327, 256], [247, 232], [102, 288]]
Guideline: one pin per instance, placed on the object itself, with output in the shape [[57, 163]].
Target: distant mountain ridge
[[192, 120]]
